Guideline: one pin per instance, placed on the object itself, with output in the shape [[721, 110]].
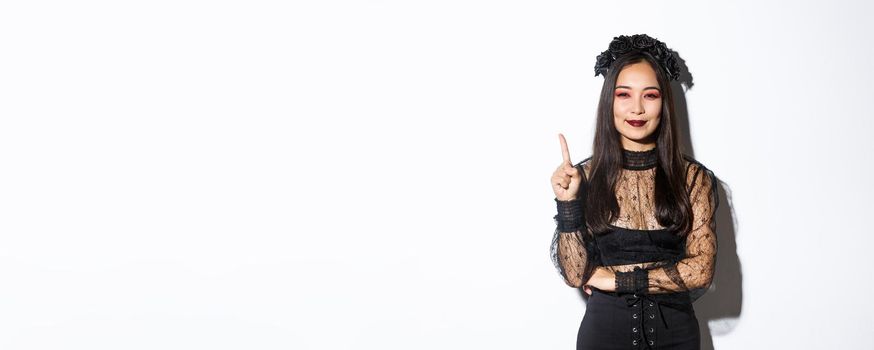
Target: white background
[[375, 174]]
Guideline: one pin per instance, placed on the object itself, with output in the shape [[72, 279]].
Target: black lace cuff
[[570, 215], [636, 281]]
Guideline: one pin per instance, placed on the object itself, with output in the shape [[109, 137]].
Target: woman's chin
[[639, 137]]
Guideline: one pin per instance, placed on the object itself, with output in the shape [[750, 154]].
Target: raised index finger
[[565, 154]]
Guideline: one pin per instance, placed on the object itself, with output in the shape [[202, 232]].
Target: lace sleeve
[[694, 272], [573, 256], [573, 252]]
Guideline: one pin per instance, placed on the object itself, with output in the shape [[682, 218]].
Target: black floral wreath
[[638, 42]]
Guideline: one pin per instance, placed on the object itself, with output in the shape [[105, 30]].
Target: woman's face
[[637, 106]]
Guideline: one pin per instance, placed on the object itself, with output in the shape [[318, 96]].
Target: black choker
[[640, 160]]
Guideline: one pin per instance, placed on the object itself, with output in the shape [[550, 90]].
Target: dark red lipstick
[[636, 123]]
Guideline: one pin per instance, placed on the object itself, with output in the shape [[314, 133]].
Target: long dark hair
[[672, 205]]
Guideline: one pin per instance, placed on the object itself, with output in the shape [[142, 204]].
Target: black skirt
[[625, 321]]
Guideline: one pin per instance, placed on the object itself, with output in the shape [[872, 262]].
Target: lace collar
[[640, 160]]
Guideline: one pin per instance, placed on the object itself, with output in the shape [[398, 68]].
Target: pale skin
[[637, 96]]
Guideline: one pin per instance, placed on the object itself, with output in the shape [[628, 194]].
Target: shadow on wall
[[719, 309]]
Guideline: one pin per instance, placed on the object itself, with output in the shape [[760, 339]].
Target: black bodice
[[622, 246]]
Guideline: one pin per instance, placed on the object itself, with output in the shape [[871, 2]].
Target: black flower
[[659, 51], [672, 67], [620, 45], [603, 62], [642, 41]]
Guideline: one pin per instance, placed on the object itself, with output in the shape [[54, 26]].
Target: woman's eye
[[649, 96]]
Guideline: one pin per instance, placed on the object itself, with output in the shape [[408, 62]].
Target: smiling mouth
[[636, 123]]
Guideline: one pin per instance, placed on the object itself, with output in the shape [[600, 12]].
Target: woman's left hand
[[602, 279]]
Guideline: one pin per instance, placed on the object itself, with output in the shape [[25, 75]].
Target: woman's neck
[[640, 160], [638, 146]]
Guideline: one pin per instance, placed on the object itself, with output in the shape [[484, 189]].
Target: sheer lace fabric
[[674, 264]]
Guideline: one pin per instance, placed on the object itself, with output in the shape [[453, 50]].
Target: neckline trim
[[640, 160]]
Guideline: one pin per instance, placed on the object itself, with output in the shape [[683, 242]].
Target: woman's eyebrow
[[648, 87]]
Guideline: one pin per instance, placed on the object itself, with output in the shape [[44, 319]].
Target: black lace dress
[[659, 272]]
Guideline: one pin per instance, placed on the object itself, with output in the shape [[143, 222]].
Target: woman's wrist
[[570, 214], [635, 281]]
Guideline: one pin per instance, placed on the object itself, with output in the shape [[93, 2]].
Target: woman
[[635, 224]]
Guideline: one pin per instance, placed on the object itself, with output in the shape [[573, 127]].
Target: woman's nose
[[637, 106]]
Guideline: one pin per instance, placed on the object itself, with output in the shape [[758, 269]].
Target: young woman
[[635, 226]]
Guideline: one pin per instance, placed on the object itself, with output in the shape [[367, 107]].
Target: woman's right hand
[[566, 179]]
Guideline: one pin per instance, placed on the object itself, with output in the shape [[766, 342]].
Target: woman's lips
[[636, 123]]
